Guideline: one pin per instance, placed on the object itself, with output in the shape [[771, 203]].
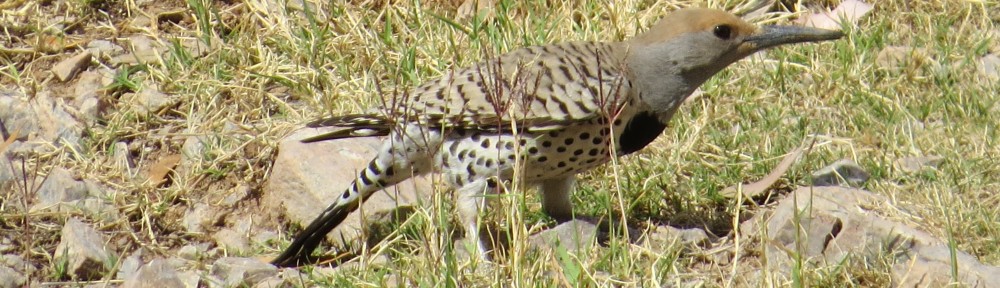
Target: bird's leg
[[556, 200], [471, 199]]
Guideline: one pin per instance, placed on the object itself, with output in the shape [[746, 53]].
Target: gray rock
[[287, 278], [59, 186], [67, 69], [144, 49], [236, 196], [666, 235], [130, 265], [84, 251], [306, 177], [86, 92], [104, 48], [574, 236], [199, 217], [9, 278], [13, 269], [842, 172], [42, 119], [835, 225], [158, 273], [989, 67], [193, 252], [234, 242], [242, 271], [151, 100], [916, 164], [189, 278]]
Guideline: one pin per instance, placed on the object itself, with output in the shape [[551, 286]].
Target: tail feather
[[299, 252], [354, 125], [379, 174]]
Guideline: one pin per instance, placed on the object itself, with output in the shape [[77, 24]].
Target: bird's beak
[[772, 35]]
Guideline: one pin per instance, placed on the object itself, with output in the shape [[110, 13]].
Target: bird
[[542, 113]]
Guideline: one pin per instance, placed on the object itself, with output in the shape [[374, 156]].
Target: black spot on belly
[[642, 129]]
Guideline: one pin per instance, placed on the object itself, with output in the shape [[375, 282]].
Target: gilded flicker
[[546, 112]]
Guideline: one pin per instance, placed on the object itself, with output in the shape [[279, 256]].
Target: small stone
[[263, 237], [195, 46], [199, 217], [574, 236], [239, 193], [232, 240], [192, 252], [130, 265], [668, 234], [989, 66], [11, 278], [898, 57], [151, 100], [190, 279], [58, 187], [83, 249], [915, 164], [104, 48], [13, 270], [239, 271], [842, 172], [144, 50], [158, 273], [67, 69]]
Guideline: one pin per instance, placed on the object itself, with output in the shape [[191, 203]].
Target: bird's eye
[[723, 31]]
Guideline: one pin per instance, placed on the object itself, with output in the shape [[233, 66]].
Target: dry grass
[[272, 66]]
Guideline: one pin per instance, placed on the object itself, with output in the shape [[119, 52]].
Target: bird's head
[[688, 46]]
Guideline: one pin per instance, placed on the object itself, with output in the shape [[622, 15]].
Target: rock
[[240, 192], [915, 164], [574, 235], [151, 100], [286, 278], [263, 237], [190, 279], [989, 66], [67, 69], [10, 278], [158, 273], [144, 49], [896, 58], [306, 178], [834, 223], [234, 242], [97, 209], [842, 172], [242, 271], [58, 187], [104, 48], [87, 90], [13, 271], [193, 252], [667, 235], [41, 119], [83, 249], [199, 217], [193, 150], [130, 265]]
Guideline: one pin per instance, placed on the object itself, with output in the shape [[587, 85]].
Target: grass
[[272, 67]]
